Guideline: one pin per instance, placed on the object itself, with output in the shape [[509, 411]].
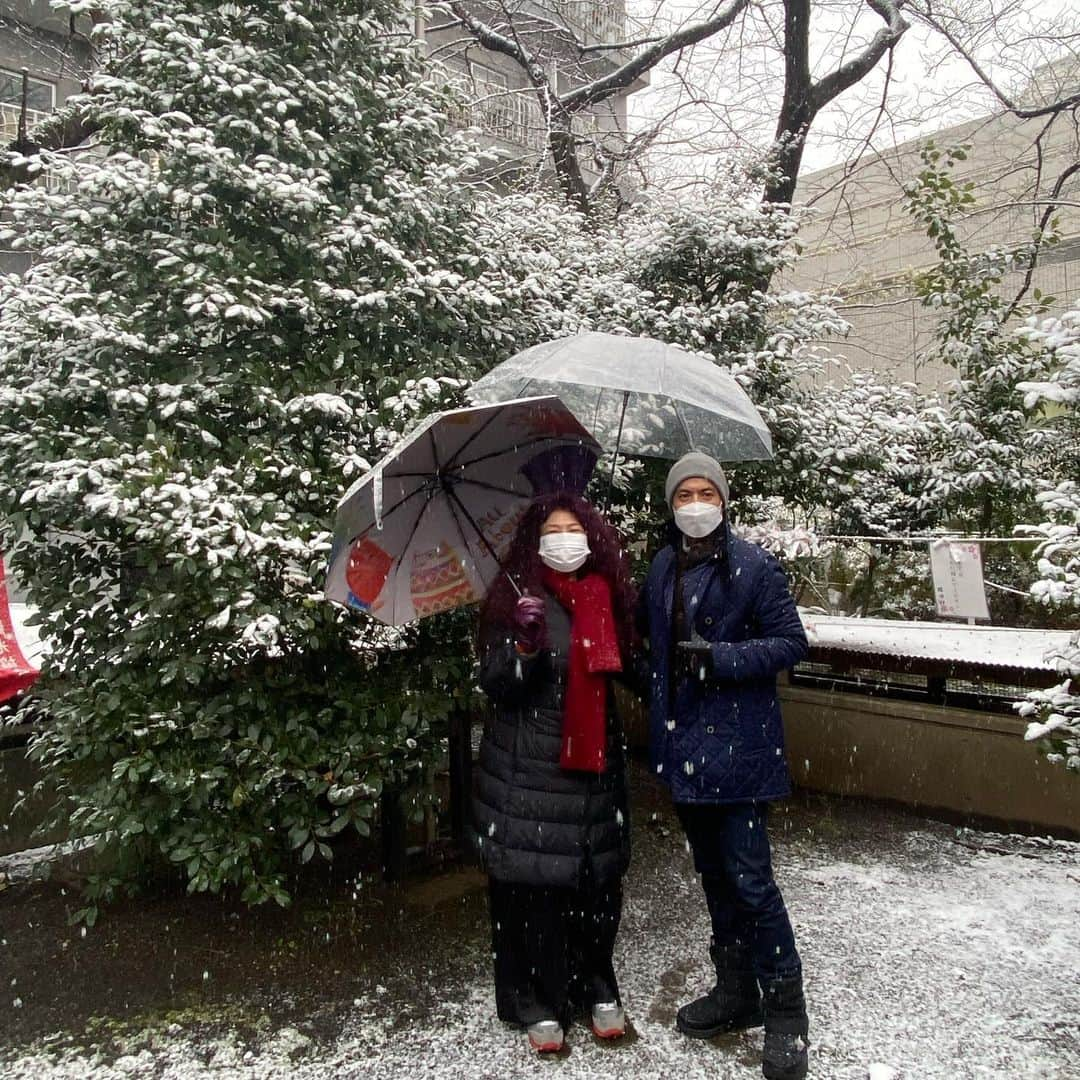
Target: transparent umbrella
[[638, 395]]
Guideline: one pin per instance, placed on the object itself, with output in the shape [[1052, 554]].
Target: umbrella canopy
[[637, 394], [426, 529]]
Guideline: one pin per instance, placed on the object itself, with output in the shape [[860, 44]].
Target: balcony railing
[[9, 121], [597, 22], [9, 132], [513, 116]]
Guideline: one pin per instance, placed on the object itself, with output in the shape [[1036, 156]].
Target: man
[[721, 625]]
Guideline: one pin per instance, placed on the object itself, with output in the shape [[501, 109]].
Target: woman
[[550, 803]]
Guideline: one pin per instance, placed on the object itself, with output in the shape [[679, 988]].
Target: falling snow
[[930, 954]]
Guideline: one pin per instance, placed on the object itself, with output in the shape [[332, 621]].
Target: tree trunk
[[567, 166], [797, 109]]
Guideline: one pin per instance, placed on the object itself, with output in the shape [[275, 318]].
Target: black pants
[[553, 949], [731, 853]]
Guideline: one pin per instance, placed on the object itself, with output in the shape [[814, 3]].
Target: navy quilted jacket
[[721, 739]]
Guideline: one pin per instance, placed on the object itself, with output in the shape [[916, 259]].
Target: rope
[[936, 538]]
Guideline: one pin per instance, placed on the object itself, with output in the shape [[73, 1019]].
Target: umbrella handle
[[615, 452]]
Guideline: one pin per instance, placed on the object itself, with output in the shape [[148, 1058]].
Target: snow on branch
[[600, 89], [854, 70]]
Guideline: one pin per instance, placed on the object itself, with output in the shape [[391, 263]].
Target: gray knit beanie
[[696, 464]]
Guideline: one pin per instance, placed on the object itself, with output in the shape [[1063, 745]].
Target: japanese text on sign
[[958, 580]]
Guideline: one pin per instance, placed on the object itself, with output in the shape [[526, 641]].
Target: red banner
[[15, 673]]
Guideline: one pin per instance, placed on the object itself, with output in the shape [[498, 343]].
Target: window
[[40, 95]]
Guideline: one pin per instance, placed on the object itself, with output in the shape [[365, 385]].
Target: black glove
[[636, 675], [694, 657]]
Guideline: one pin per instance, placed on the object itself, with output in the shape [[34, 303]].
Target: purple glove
[[529, 623]]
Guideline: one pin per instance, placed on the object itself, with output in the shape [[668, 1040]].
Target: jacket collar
[[674, 539]]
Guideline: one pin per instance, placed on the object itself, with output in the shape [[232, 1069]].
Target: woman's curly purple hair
[[523, 565]]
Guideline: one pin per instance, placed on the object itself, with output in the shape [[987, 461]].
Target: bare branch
[[1044, 222], [618, 46], [500, 43], [927, 16], [834, 84], [855, 160], [804, 99], [633, 69]]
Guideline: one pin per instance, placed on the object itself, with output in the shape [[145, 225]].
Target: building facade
[[862, 246], [500, 100], [39, 42], [54, 55], [44, 59]]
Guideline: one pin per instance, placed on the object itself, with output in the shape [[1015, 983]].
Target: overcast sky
[[931, 87]]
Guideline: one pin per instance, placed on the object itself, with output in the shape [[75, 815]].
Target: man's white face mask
[[564, 552], [698, 519]]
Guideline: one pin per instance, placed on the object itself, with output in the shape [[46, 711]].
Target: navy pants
[[730, 843]]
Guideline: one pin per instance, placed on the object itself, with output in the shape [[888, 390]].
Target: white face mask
[[698, 519], [564, 552]]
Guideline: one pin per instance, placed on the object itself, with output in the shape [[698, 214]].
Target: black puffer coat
[[537, 823]]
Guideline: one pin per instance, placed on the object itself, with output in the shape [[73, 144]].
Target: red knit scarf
[[594, 651]]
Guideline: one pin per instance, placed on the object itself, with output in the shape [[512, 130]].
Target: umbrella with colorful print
[[426, 529]]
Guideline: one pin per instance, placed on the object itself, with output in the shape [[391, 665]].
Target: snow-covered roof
[[985, 646]]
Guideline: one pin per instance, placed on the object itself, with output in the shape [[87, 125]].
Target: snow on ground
[[33, 864], [928, 954]]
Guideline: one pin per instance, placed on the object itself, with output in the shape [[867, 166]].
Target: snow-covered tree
[[683, 271], [239, 299], [1056, 711], [849, 459], [986, 459]]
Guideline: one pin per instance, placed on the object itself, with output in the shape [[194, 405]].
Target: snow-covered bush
[[988, 454], [1057, 710], [851, 458], [236, 304], [687, 272]]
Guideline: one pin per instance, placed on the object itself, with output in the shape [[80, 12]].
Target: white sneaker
[[546, 1036], [608, 1020]]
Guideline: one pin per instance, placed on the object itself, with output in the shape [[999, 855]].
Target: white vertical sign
[[958, 579]]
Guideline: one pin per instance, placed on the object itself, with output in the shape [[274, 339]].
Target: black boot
[[733, 1004], [786, 1029]]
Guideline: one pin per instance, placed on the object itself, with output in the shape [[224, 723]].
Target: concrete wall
[[938, 759], [930, 757]]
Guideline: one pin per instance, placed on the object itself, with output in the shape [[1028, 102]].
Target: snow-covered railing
[[952, 643], [947, 664]]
